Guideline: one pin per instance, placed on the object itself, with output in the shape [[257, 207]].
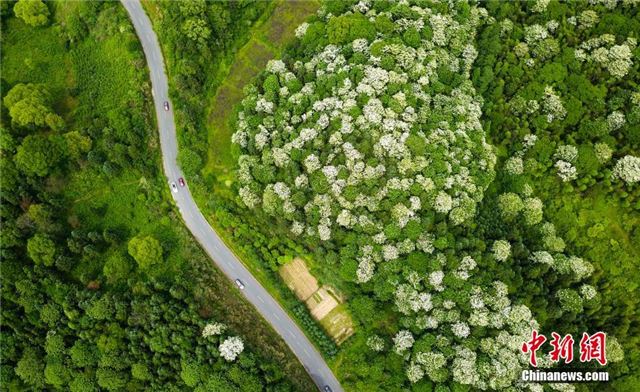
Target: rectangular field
[[324, 303], [297, 277]]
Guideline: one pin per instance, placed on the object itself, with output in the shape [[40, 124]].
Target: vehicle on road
[[220, 255], [327, 389], [174, 187], [181, 181]]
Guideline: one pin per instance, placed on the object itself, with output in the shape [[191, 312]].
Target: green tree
[[54, 346], [76, 144], [38, 155], [570, 301], [41, 216], [31, 369], [33, 12], [145, 250], [510, 206], [117, 268], [346, 28], [83, 354], [50, 314], [197, 30], [191, 373], [140, 371], [101, 309], [111, 380], [82, 382], [56, 374], [30, 105], [41, 249]]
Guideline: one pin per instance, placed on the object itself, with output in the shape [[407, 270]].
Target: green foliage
[[38, 155], [510, 206], [82, 318], [191, 373], [41, 249], [145, 250], [31, 369], [570, 301], [117, 268], [33, 12], [346, 28], [29, 105], [140, 371], [110, 379]]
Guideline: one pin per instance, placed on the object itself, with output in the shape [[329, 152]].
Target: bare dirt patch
[[321, 303], [297, 277], [324, 303]]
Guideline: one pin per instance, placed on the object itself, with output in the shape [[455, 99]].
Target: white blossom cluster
[[566, 156], [231, 347], [212, 329], [375, 343], [352, 144], [627, 169], [501, 250], [452, 325], [552, 105], [403, 341], [603, 50]]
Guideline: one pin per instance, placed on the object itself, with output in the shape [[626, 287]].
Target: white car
[[174, 187], [239, 284]]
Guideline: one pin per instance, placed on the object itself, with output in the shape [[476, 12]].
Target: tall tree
[[145, 250], [33, 12]]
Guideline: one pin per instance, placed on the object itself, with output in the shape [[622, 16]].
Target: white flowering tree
[[213, 329], [231, 347], [628, 169]]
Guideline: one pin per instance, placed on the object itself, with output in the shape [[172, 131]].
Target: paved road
[[200, 228]]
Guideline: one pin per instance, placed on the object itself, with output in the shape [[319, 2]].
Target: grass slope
[[268, 40]]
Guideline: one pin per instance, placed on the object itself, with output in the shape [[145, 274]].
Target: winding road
[[198, 225]]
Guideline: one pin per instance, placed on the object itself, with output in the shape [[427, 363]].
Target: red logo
[[532, 346], [591, 347], [561, 348]]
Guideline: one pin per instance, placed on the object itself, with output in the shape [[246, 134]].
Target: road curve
[[198, 225]]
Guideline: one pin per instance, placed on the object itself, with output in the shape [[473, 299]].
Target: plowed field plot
[[324, 304]]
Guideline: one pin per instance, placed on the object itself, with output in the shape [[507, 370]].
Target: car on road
[[239, 284], [181, 181], [166, 106], [327, 389], [174, 187]]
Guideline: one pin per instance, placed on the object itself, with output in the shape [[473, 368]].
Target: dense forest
[[102, 288], [464, 172]]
